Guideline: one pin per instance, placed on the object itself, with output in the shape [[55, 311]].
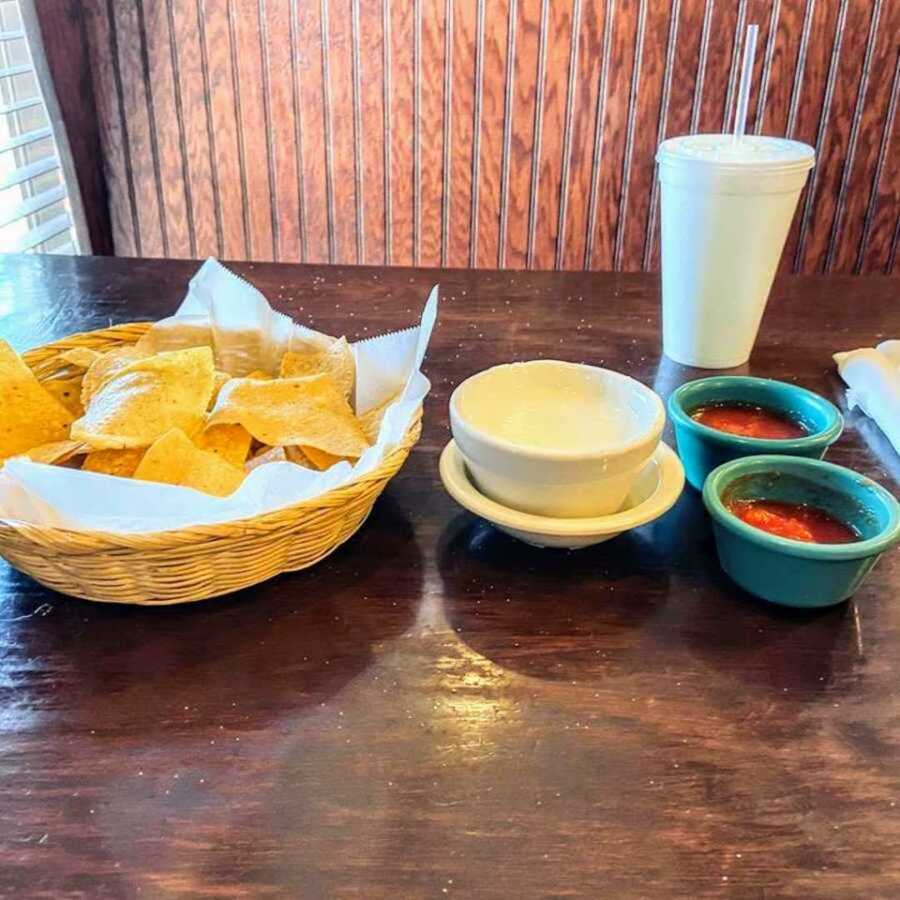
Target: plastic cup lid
[[751, 152]]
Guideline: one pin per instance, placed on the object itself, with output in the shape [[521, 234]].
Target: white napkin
[[872, 376], [246, 334]]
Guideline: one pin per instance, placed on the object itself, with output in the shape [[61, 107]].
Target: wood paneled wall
[[489, 133]]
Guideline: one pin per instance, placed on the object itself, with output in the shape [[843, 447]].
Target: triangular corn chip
[[228, 442], [176, 333], [148, 398], [104, 367], [29, 415], [296, 455], [219, 378], [56, 452], [68, 392], [113, 462], [336, 361], [80, 357], [320, 459], [173, 459], [298, 411], [372, 418]]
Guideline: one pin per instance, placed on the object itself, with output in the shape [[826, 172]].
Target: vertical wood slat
[[266, 90], [431, 139], [485, 133], [132, 90], [599, 134], [222, 132], [571, 92], [308, 51], [462, 26], [615, 128], [702, 55], [357, 136], [823, 162], [447, 122], [280, 85], [495, 44], [417, 131], [193, 134], [539, 89], [718, 64], [509, 98], [100, 38], [161, 66], [555, 104], [372, 123], [338, 46], [665, 93], [522, 86], [148, 88], [401, 138], [476, 130], [807, 103], [242, 137], [386, 133], [326, 118], [583, 132], [206, 95], [853, 143], [633, 105], [884, 198], [766, 73]]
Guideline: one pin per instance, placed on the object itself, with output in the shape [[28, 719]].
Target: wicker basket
[[191, 563]]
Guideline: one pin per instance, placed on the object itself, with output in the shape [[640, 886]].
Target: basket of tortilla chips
[[111, 420]]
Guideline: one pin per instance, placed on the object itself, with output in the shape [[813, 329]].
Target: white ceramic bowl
[[658, 485], [554, 438]]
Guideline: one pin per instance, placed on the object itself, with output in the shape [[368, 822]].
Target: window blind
[[35, 214]]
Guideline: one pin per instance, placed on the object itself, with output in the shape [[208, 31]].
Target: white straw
[[740, 113]]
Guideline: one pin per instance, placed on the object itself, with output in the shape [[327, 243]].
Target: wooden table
[[437, 710]]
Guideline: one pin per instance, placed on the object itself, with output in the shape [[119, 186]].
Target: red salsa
[[793, 520], [747, 420]]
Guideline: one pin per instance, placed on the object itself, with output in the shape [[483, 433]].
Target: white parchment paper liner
[[246, 334], [872, 376]]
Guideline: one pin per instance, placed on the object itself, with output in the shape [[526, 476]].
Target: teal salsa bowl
[[794, 573], [702, 448]]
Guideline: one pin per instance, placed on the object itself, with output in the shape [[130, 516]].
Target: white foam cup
[[727, 206]]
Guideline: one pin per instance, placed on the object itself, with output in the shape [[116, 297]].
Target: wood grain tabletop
[[437, 710]]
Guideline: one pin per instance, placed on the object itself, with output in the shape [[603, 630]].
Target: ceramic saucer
[[655, 491]]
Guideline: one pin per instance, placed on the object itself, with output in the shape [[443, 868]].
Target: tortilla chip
[[260, 375], [29, 415], [336, 361], [266, 455], [300, 411], [228, 442], [148, 398], [219, 378], [296, 455], [176, 333], [113, 462], [67, 391], [105, 367], [80, 357], [307, 340], [372, 418], [56, 452], [320, 459], [174, 459]]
